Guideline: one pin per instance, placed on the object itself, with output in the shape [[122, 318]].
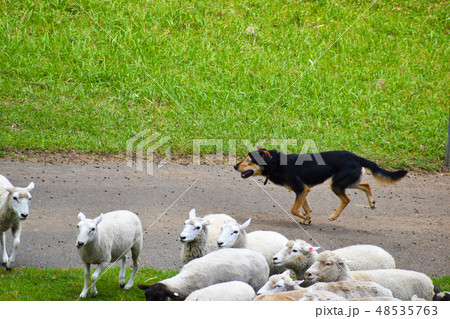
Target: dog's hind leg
[[344, 202], [365, 187], [300, 200]]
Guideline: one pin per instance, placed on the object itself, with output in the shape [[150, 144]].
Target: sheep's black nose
[[275, 258], [220, 243], [80, 244], [182, 238]]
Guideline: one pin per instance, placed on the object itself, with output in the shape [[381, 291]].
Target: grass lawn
[[367, 77], [33, 284], [52, 284]]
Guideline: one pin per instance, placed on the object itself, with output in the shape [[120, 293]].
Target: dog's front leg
[[300, 200]]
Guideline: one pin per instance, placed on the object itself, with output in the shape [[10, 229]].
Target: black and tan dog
[[300, 172]]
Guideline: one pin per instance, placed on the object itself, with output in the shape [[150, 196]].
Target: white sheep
[[199, 235], [266, 242], [14, 208], [341, 290], [404, 284], [226, 291], [298, 255], [108, 238], [218, 266], [280, 282]]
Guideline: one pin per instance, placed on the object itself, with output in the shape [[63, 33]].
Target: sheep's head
[[159, 292], [230, 232], [295, 251], [192, 227], [328, 267], [279, 283], [20, 200], [87, 228]]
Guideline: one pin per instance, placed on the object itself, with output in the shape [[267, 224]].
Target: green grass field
[[31, 284], [89, 75]]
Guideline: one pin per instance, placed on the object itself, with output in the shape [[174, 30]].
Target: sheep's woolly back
[[228, 264], [206, 240], [293, 295], [267, 243], [350, 289], [366, 257], [403, 283], [116, 234], [227, 291]]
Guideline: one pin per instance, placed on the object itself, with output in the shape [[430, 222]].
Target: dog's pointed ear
[[266, 155]]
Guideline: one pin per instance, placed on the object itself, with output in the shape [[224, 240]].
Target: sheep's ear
[[298, 282], [98, 219], [437, 289], [192, 213], [30, 186], [81, 216], [143, 287], [8, 189], [245, 225], [314, 248], [206, 222], [287, 272]]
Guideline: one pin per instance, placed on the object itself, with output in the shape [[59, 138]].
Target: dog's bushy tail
[[380, 174]]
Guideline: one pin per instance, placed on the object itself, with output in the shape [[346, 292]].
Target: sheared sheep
[[279, 283], [298, 255], [266, 242], [225, 291], [14, 208], [106, 239], [404, 284], [199, 235], [216, 267]]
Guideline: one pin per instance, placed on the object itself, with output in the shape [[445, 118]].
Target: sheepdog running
[[300, 172]]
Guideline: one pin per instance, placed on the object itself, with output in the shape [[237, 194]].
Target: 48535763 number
[[407, 310]]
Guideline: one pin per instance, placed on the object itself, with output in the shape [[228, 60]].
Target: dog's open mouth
[[247, 174]]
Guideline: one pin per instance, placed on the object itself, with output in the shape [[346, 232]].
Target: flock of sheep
[[224, 262]]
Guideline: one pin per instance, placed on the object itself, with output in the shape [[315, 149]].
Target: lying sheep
[[265, 242], [343, 290], [298, 255], [216, 267], [106, 239], [279, 283], [199, 235], [14, 208], [404, 284], [226, 291], [293, 295]]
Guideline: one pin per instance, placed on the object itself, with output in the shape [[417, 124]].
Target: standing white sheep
[[404, 284], [266, 242], [106, 239], [298, 255], [199, 235], [14, 208], [216, 267]]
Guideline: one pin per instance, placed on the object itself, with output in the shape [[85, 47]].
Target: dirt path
[[411, 220]]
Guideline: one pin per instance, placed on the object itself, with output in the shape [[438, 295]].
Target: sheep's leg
[[87, 272], [95, 276], [16, 230], [4, 253], [135, 255], [122, 271]]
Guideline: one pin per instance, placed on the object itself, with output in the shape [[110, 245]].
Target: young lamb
[[105, 239], [226, 291], [440, 295], [279, 283], [298, 255], [342, 290], [14, 208], [404, 284], [266, 242], [199, 235], [218, 266]]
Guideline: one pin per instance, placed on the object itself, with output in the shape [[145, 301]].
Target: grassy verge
[[89, 75], [33, 284], [52, 284]]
